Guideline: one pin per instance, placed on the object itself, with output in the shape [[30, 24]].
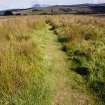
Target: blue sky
[[9, 4]]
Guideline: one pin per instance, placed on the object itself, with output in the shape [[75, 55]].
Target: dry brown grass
[[21, 69]]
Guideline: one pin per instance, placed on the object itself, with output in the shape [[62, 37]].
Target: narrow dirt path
[[69, 90]]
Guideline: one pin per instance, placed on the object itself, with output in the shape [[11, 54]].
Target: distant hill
[[36, 6], [81, 8], [39, 5], [59, 9]]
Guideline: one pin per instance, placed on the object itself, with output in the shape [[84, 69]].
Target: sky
[[10, 4]]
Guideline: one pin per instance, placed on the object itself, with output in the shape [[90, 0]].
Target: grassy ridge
[[82, 38]]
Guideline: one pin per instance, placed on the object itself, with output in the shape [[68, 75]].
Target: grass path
[[69, 88]]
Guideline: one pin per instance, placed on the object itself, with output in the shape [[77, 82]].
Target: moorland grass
[[23, 75], [32, 66], [83, 41]]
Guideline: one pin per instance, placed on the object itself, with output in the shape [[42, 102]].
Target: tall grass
[[22, 72], [25, 78], [83, 40]]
